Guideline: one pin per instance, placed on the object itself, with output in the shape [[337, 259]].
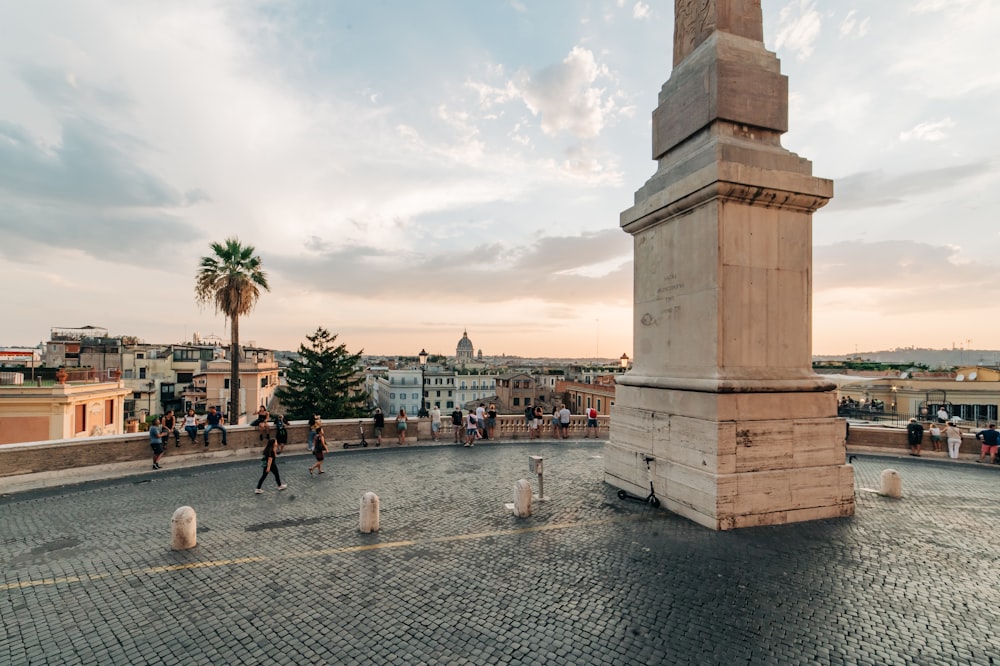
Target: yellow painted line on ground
[[51, 581], [328, 551], [200, 565]]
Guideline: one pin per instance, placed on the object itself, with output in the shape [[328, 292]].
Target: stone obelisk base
[[731, 460]]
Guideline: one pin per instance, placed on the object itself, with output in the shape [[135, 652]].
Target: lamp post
[[624, 361], [423, 367]]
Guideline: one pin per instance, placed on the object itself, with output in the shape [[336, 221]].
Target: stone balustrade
[[57, 455]]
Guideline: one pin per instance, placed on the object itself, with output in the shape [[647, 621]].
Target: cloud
[[91, 164], [123, 236], [899, 276], [799, 26], [565, 98], [875, 189], [928, 131], [552, 268], [640, 11], [852, 28]]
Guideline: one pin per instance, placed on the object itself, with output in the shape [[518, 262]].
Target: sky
[[409, 170]]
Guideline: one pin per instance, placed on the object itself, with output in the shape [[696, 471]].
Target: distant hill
[[933, 358]]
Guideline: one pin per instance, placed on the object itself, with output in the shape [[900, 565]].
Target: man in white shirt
[[435, 422], [564, 421]]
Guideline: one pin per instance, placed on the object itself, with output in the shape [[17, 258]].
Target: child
[[319, 448]]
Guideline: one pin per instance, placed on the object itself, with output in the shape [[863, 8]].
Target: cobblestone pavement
[[453, 578]]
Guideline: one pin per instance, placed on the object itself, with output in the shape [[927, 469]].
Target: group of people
[[947, 429], [164, 426], [479, 423]]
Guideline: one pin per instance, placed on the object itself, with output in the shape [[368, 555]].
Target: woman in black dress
[[270, 464], [319, 449]]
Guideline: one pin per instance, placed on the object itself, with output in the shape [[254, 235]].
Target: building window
[[517, 402], [415, 396], [451, 404], [392, 396], [263, 382], [598, 404], [109, 412], [185, 377], [81, 418], [140, 355], [142, 373]]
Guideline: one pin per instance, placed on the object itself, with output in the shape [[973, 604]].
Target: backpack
[[279, 425]]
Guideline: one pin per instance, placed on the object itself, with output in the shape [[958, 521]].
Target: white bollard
[[892, 485], [183, 529], [522, 499], [369, 513]]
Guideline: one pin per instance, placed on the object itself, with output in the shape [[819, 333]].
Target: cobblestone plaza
[[454, 578]]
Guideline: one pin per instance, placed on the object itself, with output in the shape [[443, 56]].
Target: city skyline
[[408, 171]]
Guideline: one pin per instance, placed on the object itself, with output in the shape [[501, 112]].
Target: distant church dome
[[464, 349]]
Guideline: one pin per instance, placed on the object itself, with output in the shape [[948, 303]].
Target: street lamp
[[423, 368], [624, 361]]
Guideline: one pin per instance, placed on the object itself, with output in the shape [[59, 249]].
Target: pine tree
[[324, 380]]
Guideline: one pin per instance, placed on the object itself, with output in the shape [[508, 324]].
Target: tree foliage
[[324, 380], [231, 279]]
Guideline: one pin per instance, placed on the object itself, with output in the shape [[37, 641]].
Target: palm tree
[[231, 278]]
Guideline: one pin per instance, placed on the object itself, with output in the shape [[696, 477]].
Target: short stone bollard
[[369, 513], [892, 485], [522, 498], [183, 529]]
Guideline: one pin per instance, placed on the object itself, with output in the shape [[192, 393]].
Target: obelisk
[[722, 401]]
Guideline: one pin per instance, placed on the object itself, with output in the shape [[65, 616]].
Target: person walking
[[378, 418], [269, 463], [401, 426], [914, 434], [990, 439], [191, 425], [456, 424], [213, 421], [170, 427], [156, 441], [954, 436], [319, 450], [435, 422]]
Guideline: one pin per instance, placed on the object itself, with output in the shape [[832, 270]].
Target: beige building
[[580, 396], [258, 382], [85, 405], [972, 393]]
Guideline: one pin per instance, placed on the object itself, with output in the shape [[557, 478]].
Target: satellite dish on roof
[[960, 378], [972, 376]]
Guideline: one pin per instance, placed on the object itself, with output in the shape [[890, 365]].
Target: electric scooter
[[363, 441], [651, 498]]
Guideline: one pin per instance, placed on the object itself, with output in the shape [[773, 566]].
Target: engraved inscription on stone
[[694, 20]]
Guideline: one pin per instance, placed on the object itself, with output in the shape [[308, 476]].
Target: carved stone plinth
[[721, 394]]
